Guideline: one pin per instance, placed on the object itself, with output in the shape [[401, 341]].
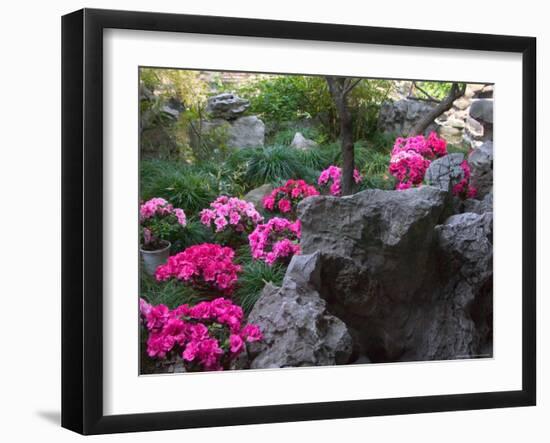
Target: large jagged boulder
[[481, 164], [297, 328], [401, 285], [227, 106]]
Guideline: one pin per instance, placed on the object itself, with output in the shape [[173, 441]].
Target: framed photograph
[[269, 221]]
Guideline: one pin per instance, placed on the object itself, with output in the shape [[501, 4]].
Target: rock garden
[[290, 221]]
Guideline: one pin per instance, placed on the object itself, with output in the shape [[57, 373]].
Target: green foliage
[[268, 165], [193, 233], [255, 275], [184, 186], [437, 90], [284, 98], [172, 293]]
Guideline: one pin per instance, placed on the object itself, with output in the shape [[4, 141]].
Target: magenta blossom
[[207, 336], [205, 266], [275, 240]]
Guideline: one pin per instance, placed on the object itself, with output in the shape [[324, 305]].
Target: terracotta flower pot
[[152, 259]]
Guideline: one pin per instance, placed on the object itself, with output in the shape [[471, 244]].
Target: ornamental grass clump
[[276, 240], [411, 157], [231, 214], [206, 267], [207, 336], [159, 222], [284, 199], [331, 177]]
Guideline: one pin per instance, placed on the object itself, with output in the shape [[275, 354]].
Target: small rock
[[257, 195], [300, 142]]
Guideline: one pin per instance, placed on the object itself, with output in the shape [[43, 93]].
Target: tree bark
[[456, 92], [339, 89]]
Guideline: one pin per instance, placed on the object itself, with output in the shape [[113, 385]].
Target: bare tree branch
[[457, 91], [425, 93]]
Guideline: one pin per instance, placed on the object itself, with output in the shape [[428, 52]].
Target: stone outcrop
[[226, 106], [481, 165], [399, 117], [297, 328], [409, 282], [242, 132], [445, 172]]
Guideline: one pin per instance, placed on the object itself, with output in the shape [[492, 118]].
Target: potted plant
[[159, 221]]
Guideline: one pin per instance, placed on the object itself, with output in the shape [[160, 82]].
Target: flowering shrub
[[206, 266], [275, 240], [284, 199], [409, 168], [463, 188], [410, 158], [207, 336], [159, 221], [231, 213], [332, 175], [428, 147]]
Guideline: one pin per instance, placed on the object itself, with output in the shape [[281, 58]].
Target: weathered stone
[[400, 116], [450, 133], [474, 128], [300, 142], [247, 132], [481, 165], [482, 110], [479, 206], [242, 132], [461, 103], [227, 106], [445, 172], [406, 289], [296, 326], [256, 195]]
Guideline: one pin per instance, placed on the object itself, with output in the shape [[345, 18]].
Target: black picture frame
[[82, 218]]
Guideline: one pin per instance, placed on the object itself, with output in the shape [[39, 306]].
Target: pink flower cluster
[[428, 147], [207, 336], [159, 207], [463, 188], [274, 240], [205, 266], [333, 175], [285, 198], [231, 212], [409, 168], [410, 158]]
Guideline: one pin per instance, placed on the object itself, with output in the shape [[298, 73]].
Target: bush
[[186, 187], [268, 165]]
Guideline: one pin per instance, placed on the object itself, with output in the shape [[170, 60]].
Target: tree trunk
[[348, 154], [339, 89]]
